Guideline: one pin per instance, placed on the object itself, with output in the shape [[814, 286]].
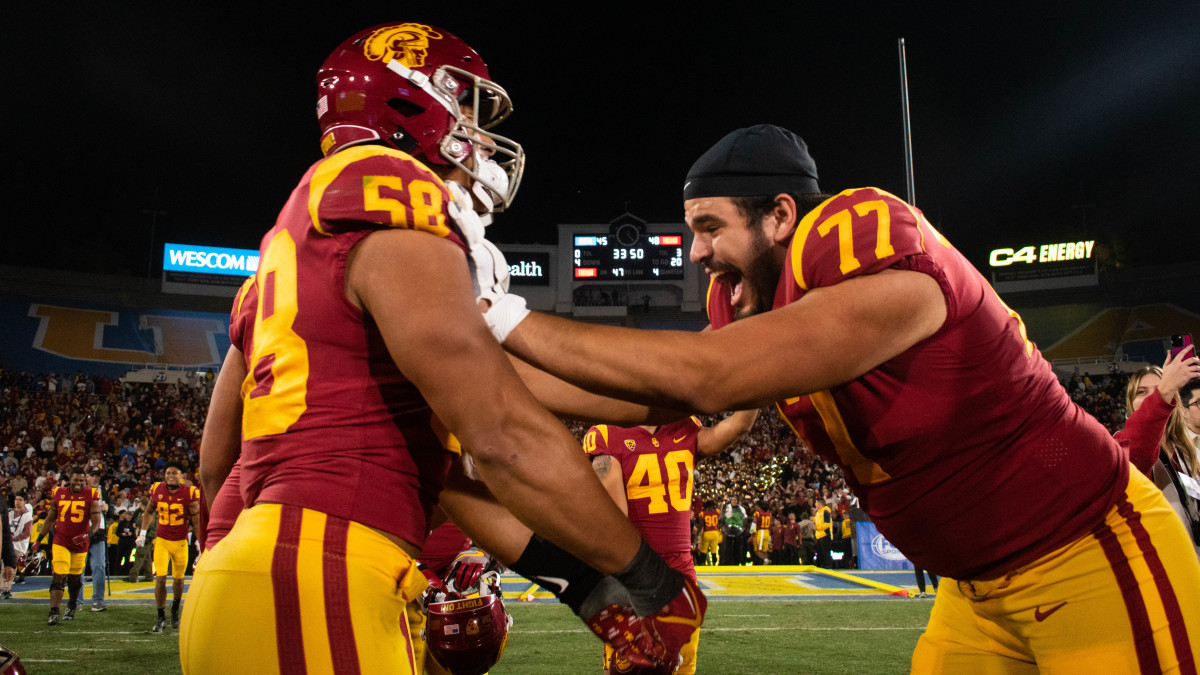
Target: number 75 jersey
[[657, 468]]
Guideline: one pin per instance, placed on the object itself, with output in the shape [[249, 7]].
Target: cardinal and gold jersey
[[74, 511], [657, 469], [938, 446], [172, 507], [762, 520], [712, 520], [329, 422], [227, 503]]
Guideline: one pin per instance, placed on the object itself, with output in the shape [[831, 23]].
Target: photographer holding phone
[[1162, 442]]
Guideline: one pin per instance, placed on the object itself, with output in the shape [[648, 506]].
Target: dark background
[[1031, 123]]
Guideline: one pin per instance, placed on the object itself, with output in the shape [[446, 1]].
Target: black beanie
[[755, 161]]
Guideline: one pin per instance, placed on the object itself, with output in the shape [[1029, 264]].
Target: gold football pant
[[173, 552], [64, 561], [1123, 598], [291, 590]]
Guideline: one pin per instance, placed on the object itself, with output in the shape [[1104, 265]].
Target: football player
[[760, 529], [176, 506], [891, 355], [710, 537], [74, 515], [368, 361], [649, 472]]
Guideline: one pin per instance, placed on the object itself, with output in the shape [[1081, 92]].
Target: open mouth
[[733, 280]]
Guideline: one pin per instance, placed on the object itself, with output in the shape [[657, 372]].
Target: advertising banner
[[875, 552]]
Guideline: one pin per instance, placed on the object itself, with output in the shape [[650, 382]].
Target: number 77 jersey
[[657, 470]]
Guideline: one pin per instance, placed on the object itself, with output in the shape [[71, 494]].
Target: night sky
[[1030, 122]]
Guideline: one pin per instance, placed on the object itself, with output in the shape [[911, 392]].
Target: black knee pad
[[56, 583]]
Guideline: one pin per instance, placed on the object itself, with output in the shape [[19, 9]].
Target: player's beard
[[761, 276]]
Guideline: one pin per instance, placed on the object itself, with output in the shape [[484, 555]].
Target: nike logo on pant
[[1040, 616]]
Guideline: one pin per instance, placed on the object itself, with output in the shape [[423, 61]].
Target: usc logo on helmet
[[408, 43]]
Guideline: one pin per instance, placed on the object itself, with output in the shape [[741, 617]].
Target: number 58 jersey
[[329, 422], [657, 468]]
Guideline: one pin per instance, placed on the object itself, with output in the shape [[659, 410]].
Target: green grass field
[[768, 637]]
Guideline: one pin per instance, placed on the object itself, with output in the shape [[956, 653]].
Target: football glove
[[80, 542], [505, 314], [491, 272]]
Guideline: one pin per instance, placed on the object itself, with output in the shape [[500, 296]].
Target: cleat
[[160, 625], [6, 595], [174, 617], [70, 615], [52, 620]]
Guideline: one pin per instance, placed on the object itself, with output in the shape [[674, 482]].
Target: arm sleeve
[[1143, 432]]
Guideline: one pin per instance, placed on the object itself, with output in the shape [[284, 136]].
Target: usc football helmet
[[32, 565], [421, 90], [10, 663], [467, 636]]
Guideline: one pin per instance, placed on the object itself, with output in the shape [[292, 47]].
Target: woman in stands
[[1158, 443]]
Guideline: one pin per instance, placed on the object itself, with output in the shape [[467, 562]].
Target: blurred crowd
[[125, 433], [120, 431]]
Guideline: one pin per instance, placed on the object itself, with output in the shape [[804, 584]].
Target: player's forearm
[[830, 336], [567, 400], [541, 475], [621, 363], [475, 510]]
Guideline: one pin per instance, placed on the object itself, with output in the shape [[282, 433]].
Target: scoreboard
[[628, 256]]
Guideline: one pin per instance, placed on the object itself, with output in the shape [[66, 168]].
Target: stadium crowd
[[121, 433], [125, 433]]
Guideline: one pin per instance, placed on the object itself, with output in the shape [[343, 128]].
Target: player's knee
[[58, 582]]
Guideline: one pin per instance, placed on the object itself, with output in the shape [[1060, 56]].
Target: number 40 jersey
[[657, 470]]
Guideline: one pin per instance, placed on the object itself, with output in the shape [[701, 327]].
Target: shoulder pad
[[595, 441], [858, 232], [370, 187]]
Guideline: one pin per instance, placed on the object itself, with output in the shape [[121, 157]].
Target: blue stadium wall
[[53, 336]]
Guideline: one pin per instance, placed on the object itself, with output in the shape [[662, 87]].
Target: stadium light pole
[[154, 212], [908, 153]]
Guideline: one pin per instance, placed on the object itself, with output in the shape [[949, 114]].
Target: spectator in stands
[[1161, 444]]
